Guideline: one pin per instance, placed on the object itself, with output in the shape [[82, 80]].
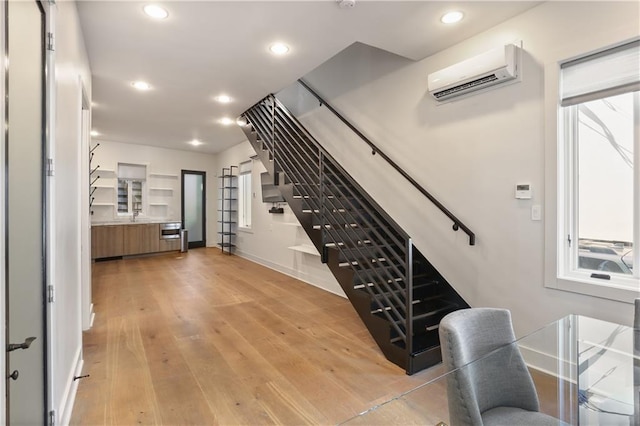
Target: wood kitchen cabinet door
[[141, 238], [107, 241]]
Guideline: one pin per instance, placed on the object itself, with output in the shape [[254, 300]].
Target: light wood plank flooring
[[206, 338]]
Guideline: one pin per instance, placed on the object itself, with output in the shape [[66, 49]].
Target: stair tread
[[371, 245], [415, 287], [428, 311]]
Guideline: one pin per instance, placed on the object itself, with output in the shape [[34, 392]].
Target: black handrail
[[273, 121], [457, 224]]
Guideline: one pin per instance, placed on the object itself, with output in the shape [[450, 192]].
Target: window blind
[[600, 75], [245, 167], [132, 171]]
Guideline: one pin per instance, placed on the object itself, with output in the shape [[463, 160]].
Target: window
[[598, 175], [244, 195], [131, 179]]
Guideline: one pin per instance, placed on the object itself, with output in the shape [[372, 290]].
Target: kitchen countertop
[[137, 222]]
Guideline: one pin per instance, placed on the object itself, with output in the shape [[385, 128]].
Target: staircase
[[397, 293]]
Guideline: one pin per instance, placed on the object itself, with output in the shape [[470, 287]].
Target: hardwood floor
[[206, 338]]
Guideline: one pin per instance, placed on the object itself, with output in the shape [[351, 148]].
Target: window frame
[[561, 270], [130, 180], [245, 175]]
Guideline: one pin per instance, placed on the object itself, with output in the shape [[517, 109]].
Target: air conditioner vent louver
[[488, 69], [463, 87]]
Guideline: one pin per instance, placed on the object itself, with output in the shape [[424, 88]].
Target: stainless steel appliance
[[170, 231]]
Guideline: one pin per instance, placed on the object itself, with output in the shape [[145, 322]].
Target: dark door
[[194, 207]]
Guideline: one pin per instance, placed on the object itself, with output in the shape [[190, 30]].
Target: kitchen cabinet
[[141, 238], [107, 241], [128, 240], [169, 245]]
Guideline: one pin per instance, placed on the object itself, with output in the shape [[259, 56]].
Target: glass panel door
[[193, 207]]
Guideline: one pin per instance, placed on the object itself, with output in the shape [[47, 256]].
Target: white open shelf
[[158, 204], [291, 223], [103, 186], [167, 175], [107, 171], [102, 204], [161, 189], [305, 248]]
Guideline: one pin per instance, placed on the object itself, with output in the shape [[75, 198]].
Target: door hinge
[[49, 167], [50, 42], [52, 417], [51, 294]]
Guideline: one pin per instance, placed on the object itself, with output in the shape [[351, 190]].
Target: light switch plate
[[536, 212]]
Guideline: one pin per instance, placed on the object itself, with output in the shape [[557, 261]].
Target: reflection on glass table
[[585, 372]]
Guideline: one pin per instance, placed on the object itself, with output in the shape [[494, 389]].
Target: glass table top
[[586, 372]]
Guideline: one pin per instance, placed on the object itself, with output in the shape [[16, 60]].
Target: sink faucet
[[134, 215]]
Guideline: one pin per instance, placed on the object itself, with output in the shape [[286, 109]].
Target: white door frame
[[85, 212], [3, 197], [49, 203], [49, 93]]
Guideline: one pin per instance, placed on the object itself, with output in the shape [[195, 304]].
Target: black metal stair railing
[[457, 223], [393, 287], [368, 242]]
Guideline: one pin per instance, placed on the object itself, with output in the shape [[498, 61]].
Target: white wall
[[471, 153], [163, 181], [271, 234], [72, 73]]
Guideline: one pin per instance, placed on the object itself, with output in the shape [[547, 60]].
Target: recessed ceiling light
[[452, 17], [279, 48], [95, 133], [195, 142], [223, 99], [226, 121], [141, 85], [155, 11]]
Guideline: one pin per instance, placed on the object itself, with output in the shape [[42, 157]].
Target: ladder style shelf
[[227, 208]]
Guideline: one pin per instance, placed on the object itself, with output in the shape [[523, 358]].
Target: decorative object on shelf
[[228, 207]]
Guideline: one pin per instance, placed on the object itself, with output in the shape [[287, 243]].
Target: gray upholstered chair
[[497, 390]]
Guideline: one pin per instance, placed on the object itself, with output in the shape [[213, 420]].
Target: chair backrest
[[500, 380]]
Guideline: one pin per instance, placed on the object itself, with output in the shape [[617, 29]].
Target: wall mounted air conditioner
[[496, 66]]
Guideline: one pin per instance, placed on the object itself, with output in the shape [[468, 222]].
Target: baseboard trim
[[65, 409], [326, 286]]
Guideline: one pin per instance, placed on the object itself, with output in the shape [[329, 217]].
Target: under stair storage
[[397, 293]]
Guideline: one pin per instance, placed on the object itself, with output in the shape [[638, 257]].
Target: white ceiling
[[207, 48]]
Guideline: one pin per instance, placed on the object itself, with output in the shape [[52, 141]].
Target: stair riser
[[367, 245]]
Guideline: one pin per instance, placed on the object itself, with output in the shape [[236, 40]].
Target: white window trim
[[622, 288], [143, 212], [144, 188], [246, 229]]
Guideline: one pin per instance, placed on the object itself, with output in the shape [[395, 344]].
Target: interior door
[[193, 207], [26, 371]]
